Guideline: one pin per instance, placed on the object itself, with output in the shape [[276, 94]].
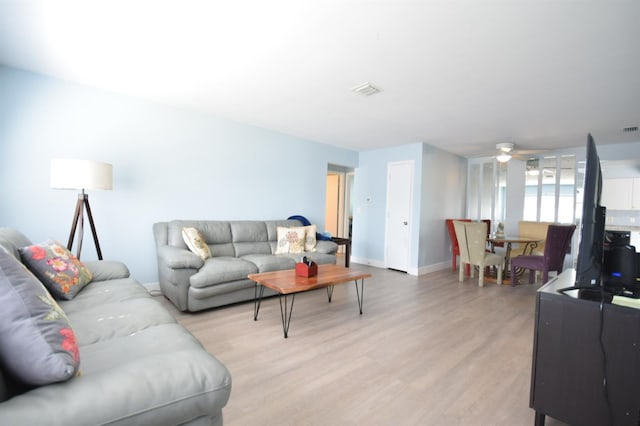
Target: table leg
[[286, 313], [360, 293], [347, 253], [530, 246], [257, 299], [330, 292]]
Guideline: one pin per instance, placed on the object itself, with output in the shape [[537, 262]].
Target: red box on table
[[305, 270]]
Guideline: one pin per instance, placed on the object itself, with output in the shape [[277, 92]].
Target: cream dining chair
[[472, 239]]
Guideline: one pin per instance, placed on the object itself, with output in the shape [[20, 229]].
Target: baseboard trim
[[412, 271], [368, 262], [433, 268]]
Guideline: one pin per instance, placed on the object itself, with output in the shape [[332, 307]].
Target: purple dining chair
[[556, 247]]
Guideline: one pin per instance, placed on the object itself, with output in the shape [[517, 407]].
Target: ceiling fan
[[506, 152]]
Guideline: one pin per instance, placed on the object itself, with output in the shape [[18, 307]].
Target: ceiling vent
[[366, 89], [630, 129]]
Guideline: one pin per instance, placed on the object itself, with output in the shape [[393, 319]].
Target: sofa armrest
[[326, 246], [179, 258], [103, 270]]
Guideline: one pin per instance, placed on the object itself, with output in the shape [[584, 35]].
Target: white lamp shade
[[81, 174]]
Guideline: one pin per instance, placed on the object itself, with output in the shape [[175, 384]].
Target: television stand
[[568, 365]]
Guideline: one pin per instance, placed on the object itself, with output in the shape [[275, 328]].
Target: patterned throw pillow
[[37, 344], [58, 269], [310, 241], [290, 240], [196, 243]]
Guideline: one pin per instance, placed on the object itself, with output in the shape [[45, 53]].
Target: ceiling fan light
[[503, 158]]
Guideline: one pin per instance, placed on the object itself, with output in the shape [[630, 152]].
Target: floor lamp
[[81, 175]]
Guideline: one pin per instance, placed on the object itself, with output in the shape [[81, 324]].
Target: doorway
[[338, 210]]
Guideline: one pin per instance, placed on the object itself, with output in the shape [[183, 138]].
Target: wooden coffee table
[[287, 283]]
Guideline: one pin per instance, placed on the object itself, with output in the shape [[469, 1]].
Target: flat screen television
[[592, 235]]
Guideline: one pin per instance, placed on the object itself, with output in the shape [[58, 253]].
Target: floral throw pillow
[[196, 242], [310, 241], [290, 240], [37, 344], [58, 269]]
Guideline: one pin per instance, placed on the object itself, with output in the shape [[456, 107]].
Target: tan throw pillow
[[310, 241], [290, 240], [196, 243]]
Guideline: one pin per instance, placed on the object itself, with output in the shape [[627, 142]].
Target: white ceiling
[[458, 75]]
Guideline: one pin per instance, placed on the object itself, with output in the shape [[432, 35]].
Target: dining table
[[529, 243]]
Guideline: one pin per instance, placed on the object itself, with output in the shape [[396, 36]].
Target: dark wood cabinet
[[586, 359]]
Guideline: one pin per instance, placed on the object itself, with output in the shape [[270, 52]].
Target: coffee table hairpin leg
[[286, 314], [360, 293], [286, 310], [330, 292], [257, 298]]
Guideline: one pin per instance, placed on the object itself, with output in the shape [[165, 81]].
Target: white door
[[398, 226]]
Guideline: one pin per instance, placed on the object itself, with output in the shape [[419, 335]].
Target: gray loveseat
[[238, 248], [137, 366]]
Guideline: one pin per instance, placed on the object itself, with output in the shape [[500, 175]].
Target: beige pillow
[[310, 238], [196, 243], [290, 240]]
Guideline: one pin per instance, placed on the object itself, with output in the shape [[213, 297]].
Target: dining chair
[[455, 248], [556, 247], [472, 240]]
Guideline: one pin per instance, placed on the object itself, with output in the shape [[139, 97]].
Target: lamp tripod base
[[78, 222]]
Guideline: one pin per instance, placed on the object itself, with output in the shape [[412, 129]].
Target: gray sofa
[[137, 365], [238, 248]]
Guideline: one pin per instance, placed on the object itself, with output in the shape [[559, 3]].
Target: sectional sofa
[[106, 354], [234, 249]]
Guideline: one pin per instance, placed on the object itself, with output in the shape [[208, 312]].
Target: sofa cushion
[[221, 270], [269, 262], [316, 256], [58, 269], [217, 234], [12, 239], [196, 242], [250, 237], [37, 344], [158, 376], [100, 292], [290, 240], [107, 321]]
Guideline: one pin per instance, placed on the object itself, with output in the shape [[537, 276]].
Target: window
[[474, 191], [487, 191], [550, 188]]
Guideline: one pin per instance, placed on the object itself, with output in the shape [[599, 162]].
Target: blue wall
[[439, 192], [370, 192], [444, 178], [168, 164]]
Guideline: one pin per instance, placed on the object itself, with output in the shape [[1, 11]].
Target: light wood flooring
[[428, 350]]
